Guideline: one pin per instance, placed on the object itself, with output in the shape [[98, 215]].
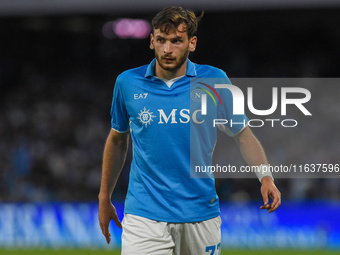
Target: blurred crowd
[[56, 83]]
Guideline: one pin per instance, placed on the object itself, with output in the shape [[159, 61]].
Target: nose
[[167, 48]]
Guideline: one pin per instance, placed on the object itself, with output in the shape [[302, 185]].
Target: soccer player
[[166, 211]]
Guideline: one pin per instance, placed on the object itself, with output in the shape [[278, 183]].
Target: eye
[[177, 40], [160, 40]]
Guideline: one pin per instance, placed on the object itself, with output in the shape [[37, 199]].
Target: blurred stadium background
[[58, 63]]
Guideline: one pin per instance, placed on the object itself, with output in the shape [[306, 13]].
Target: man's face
[[172, 49]]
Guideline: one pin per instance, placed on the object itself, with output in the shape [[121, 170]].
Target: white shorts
[[142, 236]]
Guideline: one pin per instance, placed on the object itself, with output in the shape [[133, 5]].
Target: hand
[[268, 189], [106, 213]]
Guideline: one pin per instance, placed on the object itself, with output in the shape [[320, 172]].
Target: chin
[[169, 68]]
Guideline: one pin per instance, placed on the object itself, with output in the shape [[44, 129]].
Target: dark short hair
[[171, 17]]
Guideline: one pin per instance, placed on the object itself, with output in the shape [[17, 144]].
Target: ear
[[192, 44], [151, 42]]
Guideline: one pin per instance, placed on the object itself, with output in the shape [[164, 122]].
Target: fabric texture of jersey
[[159, 118]]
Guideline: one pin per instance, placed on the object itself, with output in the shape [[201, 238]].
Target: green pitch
[[115, 252]]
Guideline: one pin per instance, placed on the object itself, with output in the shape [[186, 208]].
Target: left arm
[[253, 153]]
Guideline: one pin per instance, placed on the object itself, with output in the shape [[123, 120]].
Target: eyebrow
[[173, 38]]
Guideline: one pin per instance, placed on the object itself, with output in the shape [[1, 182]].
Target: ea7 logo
[[140, 96]]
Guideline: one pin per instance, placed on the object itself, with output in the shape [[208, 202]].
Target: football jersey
[[170, 136]]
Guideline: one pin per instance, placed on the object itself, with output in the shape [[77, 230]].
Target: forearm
[[251, 149], [253, 153], [113, 161]]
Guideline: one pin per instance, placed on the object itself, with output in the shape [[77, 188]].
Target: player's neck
[[170, 74]]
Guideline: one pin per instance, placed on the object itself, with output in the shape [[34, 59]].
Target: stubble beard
[[179, 64]]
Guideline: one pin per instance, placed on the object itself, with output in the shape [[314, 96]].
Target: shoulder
[[129, 75], [209, 71]]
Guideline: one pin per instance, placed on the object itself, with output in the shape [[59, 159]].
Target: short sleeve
[[119, 115], [233, 123]]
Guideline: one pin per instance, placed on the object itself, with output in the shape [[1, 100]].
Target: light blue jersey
[[160, 119]]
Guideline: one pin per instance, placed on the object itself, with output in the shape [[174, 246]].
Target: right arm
[[113, 161]]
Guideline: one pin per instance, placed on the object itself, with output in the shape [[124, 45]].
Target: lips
[[168, 59]]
